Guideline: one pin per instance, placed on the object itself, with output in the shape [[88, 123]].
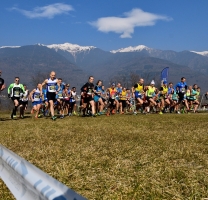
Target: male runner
[[90, 94], [24, 101], [51, 84], [2, 85], [182, 86], [15, 90], [35, 96]]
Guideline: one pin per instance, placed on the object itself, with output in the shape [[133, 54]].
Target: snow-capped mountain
[[2, 47], [134, 49], [71, 48], [203, 53]]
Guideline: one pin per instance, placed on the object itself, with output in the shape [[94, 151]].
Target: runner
[[45, 102], [35, 97], [150, 93], [119, 90], [182, 86], [15, 90], [138, 91], [90, 94], [72, 101], [24, 101], [60, 98], [2, 85], [112, 99], [164, 97], [174, 100], [193, 97], [66, 95], [122, 100], [51, 84], [98, 98]]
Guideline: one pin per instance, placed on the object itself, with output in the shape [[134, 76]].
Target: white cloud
[[125, 25], [49, 11]]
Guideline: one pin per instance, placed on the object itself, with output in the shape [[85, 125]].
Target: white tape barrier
[[27, 182]]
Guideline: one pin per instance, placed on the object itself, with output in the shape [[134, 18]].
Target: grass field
[[117, 157]]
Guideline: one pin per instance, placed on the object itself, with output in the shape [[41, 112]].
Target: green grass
[[117, 157]]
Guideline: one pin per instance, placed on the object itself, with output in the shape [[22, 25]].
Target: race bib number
[[37, 96], [16, 93], [182, 90], [89, 91], [52, 87], [113, 97]]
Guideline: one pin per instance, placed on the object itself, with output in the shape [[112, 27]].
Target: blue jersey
[[45, 94], [98, 90], [182, 87], [36, 95], [60, 92], [170, 90]]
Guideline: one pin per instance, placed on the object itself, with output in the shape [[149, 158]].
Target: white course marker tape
[[27, 182]]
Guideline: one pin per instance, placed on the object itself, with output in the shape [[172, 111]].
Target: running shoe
[[160, 112], [62, 116], [108, 114], [53, 118]]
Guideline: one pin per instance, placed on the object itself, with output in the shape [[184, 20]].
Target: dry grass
[[117, 157]]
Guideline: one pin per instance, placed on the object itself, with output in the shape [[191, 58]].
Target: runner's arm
[[31, 93]]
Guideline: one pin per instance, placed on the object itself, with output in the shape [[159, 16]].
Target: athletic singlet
[[164, 91], [150, 91], [73, 95], [188, 93], [139, 88], [51, 85], [98, 89], [182, 87], [112, 93], [66, 93], [123, 95], [175, 95], [197, 94], [36, 95], [25, 96], [170, 90], [193, 92], [60, 92]]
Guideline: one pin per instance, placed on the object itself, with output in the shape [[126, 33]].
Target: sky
[[107, 24]]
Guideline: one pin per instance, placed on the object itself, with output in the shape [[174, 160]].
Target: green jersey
[[16, 90]]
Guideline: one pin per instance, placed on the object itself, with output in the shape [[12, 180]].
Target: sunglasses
[[16, 80]]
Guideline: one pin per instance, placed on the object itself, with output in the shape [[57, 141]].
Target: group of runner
[[95, 100]]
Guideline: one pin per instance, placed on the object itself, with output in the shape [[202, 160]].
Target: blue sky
[[107, 24]]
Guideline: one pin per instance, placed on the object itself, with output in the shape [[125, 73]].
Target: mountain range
[[74, 63]]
